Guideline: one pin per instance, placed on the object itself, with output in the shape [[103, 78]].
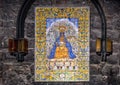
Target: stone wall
[[101, 73]]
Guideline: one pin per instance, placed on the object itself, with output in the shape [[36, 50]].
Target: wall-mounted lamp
[[103, 44], [19, 46]]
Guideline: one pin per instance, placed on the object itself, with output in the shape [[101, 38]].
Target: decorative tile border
[[62, 44]]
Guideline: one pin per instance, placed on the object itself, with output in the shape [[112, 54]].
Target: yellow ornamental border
[[82, 14]]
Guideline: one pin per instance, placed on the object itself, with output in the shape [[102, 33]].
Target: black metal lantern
[[19, 46], [103, 44]]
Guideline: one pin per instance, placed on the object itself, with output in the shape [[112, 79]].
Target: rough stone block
[[11, 11], [98, 80], [30, 30], [118, 79], [94, 69], [115, 70], [17, 74], [111, 5], [1, 31], [94, 59], [7, 56], [12, 1], [96, 22], [1, 15], [106, 70], [113, 59], [31, 43], [1, 69], [95, 33], [113, 34], [1, 41], [31, 14], [92, 46], [30, 56]]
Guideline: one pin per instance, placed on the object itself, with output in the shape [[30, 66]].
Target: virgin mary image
[[61, 47]]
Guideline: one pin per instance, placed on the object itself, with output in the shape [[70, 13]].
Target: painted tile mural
[[62, 44]]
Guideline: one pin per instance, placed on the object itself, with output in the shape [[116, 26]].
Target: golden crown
[[62, 28]]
